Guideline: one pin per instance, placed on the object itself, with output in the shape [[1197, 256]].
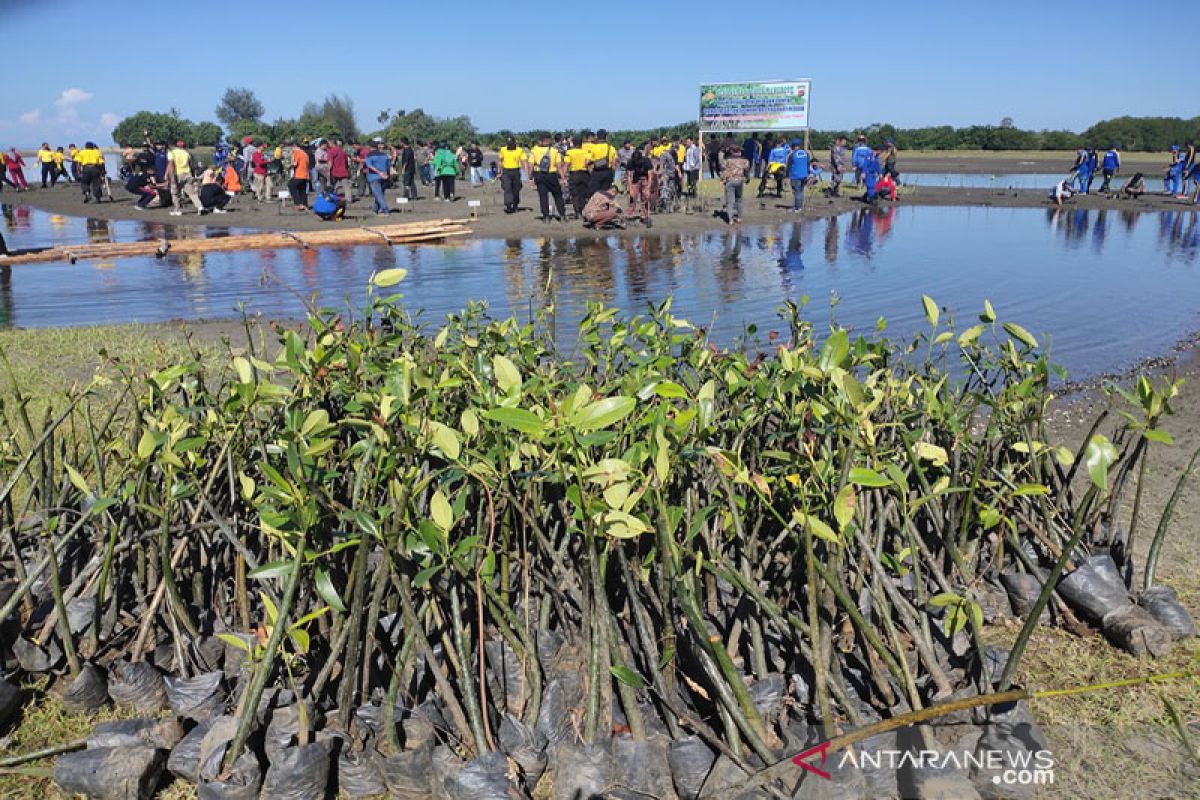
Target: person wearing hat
[[512, 159], [549, 171], [91, 173], [889, 160], [180, 179]]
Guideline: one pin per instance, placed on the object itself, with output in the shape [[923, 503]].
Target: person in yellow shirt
[[578, 177], [45, 157], [549, 170], [60, 168], [180, 179], [603, 160], [91, 172], [72, 167], [512, 159]]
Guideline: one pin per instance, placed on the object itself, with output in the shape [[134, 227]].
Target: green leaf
[[506, 372], [931, 453], [469, 423], [970, 335], [301, 639], [816, 527], [77, 479], [516, 418], [834, 350], [273, 569], [446, 440], [931, 309], [315, 422], [1099, 456], [388, 277], [244, 370], [327, 591], [670, 390], [843, 506], [234, 641], [422, 578], [147, 444], [1031, 490], [440, 510], [1021, 335], [627, 676], [272, 611], [944, 599], [989, 313], [862, 476], [602, 413], [1153, 434]]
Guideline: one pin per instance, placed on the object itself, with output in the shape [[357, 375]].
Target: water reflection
[[1109, 286]]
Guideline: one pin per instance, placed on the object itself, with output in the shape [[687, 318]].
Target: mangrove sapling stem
[[44, 752], [522, 642], [36, 448], [24, 586], [64, 625], [643, 626], [1031, 622], [598, 650], [357, 609], [867, 631], [462, 643], [444, 689], [1164, 523], [1133, 518], [819, 664], [248, 703], [168, 572], [400, 674]]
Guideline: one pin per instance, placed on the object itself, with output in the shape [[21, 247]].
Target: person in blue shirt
[[329, 206], [1083, 171], [859, 156], [871, 171], [776, 163], [799, 169], [1111, 166], [1172, 181], [377, 166], [1093, 165], [750, 150]]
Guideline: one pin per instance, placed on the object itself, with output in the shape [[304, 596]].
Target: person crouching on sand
[[1134, 188], [602, 210], [144, 186], [1062, 192]]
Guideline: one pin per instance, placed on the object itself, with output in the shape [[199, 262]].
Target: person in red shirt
[[886, 187], [262, 177], [339, 168], [301, 172]]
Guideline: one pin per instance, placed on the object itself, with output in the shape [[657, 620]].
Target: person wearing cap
[[889, 160], [602, 157], [1110, 167], [549, 171], [180, 179], [512, 159], [91, 162]]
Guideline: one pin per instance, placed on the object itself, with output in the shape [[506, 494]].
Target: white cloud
[[31, 117], [73, 96], [109, 119]]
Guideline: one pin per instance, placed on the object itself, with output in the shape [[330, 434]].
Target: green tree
[[239, 104], [157, 127], [204, 133]]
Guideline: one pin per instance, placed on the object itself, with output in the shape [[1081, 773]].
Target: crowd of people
[[575, 177]]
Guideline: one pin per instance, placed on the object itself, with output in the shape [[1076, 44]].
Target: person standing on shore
[[45, 157], [859, 156], [260, 170], [1111, 166], [733, 178], [60, 165], [16, 171], [637, 180], [475, 164], [445, 167], [623, 156], [1188, 163], [871, 170], [549, 170], [301, 172], [713, 156], [339, 168], [750, 150], [91, 162], [408, 170], [512, 159], [799, 169], [1171, 180], [69, 163], [602, 157], [180, 179], [837, 165], [377, 167], [578, 178], [691, 165], [889, 161]]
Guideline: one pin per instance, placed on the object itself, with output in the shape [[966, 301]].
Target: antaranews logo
[[1007, 767]]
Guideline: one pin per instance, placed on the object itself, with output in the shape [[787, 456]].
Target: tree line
[[241, 114]]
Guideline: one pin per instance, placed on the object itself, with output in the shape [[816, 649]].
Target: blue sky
[[1045, 64]]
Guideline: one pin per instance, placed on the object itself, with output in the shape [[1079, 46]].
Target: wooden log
[[405, 233]]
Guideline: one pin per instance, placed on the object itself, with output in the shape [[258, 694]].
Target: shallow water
[[1109, 287], [1046, 180]]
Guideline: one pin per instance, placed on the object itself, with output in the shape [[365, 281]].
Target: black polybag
[[162, 734], [1163, 604], [137, 685], [129, 773], [525, 746], [691, 760], [197, 698], [409, 775], [87, 692], [581, 770], [360, 773], [641, 768], [299, 773], [184, 760], [241, 783], [1095, 588], [483, 778]]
